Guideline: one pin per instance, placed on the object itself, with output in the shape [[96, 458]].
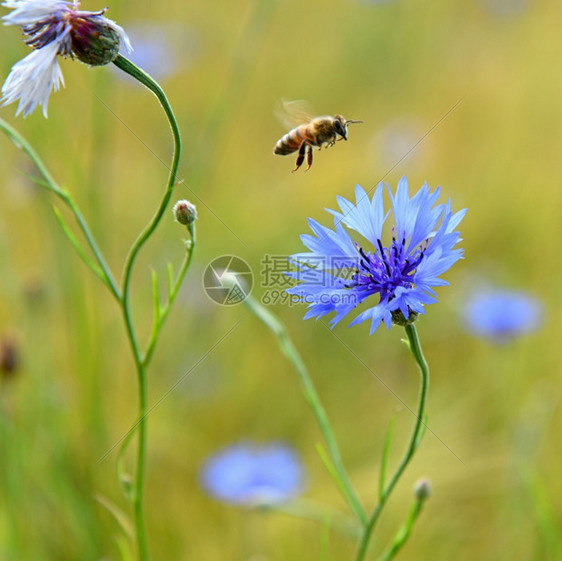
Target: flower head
[[501, 314], [339, 274], [53, 28], [250, 475]]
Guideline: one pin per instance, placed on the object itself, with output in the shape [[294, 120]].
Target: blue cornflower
[[338, 274], [502, 314], [251, 475]]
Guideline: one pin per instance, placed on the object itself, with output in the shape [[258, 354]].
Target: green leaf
[[124, 476], [82, 254], [155, 297], [423, 428], [125, 549], [340, 484], [42, 183], [170, 270], [403, 533], [384, 459], [120, 517]]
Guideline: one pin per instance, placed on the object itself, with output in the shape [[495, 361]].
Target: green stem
[[173, 292], [404, 532], [289, 350], [415, 348], [122, 296], [128, 67]]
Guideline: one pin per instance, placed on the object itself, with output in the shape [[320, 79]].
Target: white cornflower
[[53, 28]]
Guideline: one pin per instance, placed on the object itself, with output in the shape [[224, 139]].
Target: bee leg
[[300, 158], [309, 160]]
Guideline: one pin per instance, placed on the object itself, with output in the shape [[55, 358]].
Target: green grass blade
[[125, 523], [423, 428], [82, 254], [384, 458]]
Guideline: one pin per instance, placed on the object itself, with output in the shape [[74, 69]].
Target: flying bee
[[319, 131]]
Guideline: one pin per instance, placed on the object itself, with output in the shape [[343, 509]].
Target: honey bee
[[319, 131]]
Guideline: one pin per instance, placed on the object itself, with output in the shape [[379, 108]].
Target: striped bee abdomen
[[291, 141]]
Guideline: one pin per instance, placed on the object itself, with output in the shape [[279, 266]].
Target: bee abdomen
[[290, 142]]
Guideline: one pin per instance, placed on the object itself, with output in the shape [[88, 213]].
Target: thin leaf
[[123, 476], [170, 280], [125, 523], [310, 510], [423, 428], [334, 474], [21, 144], [155, 297], [404, 532], [82, 254], [384, 459], [42, 183], [124, 547], [287, 347], [544, 514]]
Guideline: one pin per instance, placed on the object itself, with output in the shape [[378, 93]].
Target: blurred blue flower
[[338, 274], [502, 314], [504, 8], [251, 475], [374, 1], [162, 49], [394, 140]]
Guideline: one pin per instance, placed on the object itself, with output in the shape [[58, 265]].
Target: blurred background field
[[401, 66]]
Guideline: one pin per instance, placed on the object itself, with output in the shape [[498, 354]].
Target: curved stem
[[416, 350], [128, 67]]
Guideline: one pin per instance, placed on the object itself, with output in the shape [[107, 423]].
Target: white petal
[[32, 79], [123, 37], [28, 12]]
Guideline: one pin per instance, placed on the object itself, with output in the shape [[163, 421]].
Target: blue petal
[[402, 218], [376, 314], [327, 241], [366, 217]]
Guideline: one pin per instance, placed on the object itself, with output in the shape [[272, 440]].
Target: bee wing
[[292, 113]]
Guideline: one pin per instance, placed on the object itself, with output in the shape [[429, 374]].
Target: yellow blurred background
[[466, 94]]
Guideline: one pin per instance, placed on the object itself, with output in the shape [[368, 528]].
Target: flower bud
[[422, 489], [185, 212], [94, 40], [9, 359], [399, 319]]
